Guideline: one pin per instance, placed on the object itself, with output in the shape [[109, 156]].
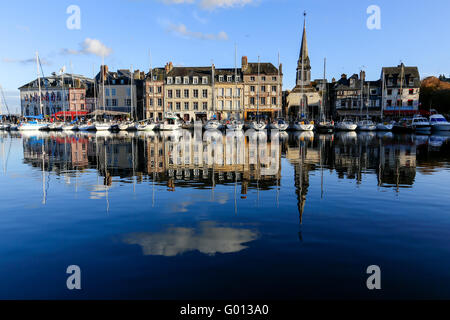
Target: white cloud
[[182, 30], [90, 46], [212, 4]]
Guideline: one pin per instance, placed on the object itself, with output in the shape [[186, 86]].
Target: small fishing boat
[[213, 125]]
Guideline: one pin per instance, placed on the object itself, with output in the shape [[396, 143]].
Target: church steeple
[[303, 61]]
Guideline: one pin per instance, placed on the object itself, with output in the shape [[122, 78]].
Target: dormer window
[[252, 78], [238, 78], [205, 80], [229, 78], [186, 80], [178, 80], [155, 78], [220, 78], [169, 80], [195, 80]]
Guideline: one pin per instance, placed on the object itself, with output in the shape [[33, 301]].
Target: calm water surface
[[194, 215]]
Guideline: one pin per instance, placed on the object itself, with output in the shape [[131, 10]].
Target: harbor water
[[224, 215]]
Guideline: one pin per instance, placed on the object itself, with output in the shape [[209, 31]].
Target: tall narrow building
[[309, 105], [304, 63]]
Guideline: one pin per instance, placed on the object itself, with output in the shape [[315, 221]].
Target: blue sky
[[195, 32]]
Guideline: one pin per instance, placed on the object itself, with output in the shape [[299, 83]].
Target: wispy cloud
[[212, 4], [26, 61], [23, 28], [182, 30], [90, 46]]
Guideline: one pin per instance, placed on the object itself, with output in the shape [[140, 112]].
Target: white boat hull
[[300, 126], [385, 127], [441, 127], [213, 125], [279, 126], [102, 127], [367, 127], [33, 127], [235, 126], [169, 127], [70, 127], [146, 127], [258, 126]]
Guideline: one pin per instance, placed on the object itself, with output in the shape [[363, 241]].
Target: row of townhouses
[[197, 93]]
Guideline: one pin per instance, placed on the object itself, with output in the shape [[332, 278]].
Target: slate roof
[[265, 68]]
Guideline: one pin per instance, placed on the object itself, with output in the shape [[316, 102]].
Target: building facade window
[[205, 93], [196, 93]]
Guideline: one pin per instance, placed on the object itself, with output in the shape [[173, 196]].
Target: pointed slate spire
[[303, 62], [304, 49]]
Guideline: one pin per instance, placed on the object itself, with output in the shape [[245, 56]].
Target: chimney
[[362, 75], [169, 67], [281, 68], [244, 63]]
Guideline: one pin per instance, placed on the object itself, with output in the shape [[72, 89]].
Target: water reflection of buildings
[[250, 160]]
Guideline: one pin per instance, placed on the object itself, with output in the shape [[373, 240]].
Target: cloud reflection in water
[[208, 239]]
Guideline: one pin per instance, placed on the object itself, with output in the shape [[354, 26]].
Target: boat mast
[[151, 84], [323, 89], [383, 85], [361, 94], [39, 83], [131, 94], [235, 78], [279, 86], [259, 87], [213, 88], [401, 90], [368, 100]]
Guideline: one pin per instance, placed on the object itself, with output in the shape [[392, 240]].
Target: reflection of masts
[[321, 168], [44, 198], [235, 174]]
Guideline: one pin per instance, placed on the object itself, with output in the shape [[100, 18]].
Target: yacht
[[33, 126], [279, 124], [257, 125], [87, 126], [385, 126], [303, 125], [147, 126], [366, 125], [102, 126], [235, 125], [325, 127], [421, 124], [403, 125], [439, 123], [70, 127], [346, 125], [170, 123], [213, 125]]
